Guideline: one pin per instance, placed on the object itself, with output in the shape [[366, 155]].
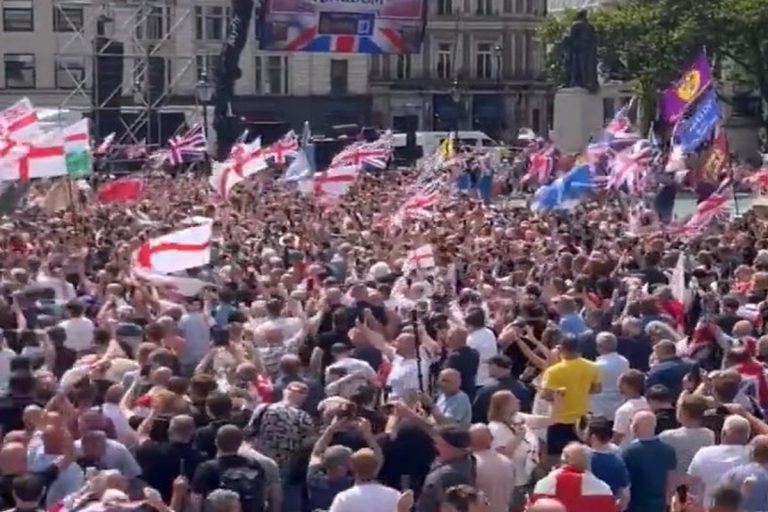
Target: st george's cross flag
[[421, 258], [176, 251], [19, 121]]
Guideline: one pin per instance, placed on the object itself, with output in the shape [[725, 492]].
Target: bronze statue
[[580, 47]]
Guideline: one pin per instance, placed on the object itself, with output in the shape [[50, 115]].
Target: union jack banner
[[621, 124], [709, 211], [630, 167], [343, 26], [190, 147], [374, 154], [282, 149]]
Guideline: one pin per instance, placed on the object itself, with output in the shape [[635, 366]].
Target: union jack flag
[[713, 208], [630, 167], [282, 149], [759, 180], [621, 124], [190, 147], [374, 154]]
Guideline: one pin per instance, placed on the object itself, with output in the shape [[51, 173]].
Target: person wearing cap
[[500, 370], [454, 466]]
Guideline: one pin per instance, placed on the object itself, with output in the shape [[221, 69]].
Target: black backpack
[[249, 482]]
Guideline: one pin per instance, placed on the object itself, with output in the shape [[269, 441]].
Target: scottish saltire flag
[[681, 94], [567, 191], [691, 132]]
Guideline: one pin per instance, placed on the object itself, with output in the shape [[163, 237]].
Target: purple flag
[[676, 98]]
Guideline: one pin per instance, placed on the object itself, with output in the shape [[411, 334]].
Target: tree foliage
[[654, 38]]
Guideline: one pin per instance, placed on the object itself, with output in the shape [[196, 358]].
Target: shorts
[[558, 437]]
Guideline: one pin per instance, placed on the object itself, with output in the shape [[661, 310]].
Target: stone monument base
[[578, 116]]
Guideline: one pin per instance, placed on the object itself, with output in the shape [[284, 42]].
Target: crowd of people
[[543, 362]]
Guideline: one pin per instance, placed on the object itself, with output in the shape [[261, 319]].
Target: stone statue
[[580, 47]]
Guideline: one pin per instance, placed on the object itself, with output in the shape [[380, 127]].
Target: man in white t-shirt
[[483, 340], [78, 328], [632, 387], [367, 494], [711, 463]]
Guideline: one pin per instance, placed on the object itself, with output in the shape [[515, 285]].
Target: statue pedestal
[[578, 116]]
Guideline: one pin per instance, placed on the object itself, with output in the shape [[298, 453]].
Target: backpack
[[249, 482]]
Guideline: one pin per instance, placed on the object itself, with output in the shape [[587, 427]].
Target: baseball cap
[[501, 361]]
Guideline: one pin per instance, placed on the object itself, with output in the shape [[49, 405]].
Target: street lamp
[[204, 93]]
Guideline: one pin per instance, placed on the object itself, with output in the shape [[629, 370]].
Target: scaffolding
[[151, 32]]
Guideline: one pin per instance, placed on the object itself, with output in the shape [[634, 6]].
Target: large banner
[[343, 26]]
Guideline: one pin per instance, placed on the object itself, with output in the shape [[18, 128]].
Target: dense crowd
[[544, 361]]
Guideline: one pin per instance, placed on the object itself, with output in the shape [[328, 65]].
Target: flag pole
[[733, 189]]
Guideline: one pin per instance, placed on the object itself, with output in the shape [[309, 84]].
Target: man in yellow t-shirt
[[575, 378]]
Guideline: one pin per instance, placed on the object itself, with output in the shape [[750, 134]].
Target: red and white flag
[[422, 258], [176, 251], [332, 184], [223, 179], [282, 149], [417, 206], [541, 165], [19, 121], [23, 161], [105, 145]]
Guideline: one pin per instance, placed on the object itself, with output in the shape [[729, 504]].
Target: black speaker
[[108, 73]]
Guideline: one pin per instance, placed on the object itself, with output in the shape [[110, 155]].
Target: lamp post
[[204, 94], [456, 97]]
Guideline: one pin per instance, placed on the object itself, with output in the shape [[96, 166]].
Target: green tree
[[654, 39]]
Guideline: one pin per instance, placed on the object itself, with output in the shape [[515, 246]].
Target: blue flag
[[566, 191], [692, 132], [300, 168]]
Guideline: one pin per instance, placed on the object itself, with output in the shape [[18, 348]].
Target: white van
[[429, 141]]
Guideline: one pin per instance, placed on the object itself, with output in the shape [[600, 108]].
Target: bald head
[[480, 437], [13, 459], [644, 424], [736, 430], [449, 381], [547, 505], [181, 429], [577, 455]]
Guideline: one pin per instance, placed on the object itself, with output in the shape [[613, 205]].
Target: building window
[[403, 67], [536, 120], [156, 22], [18, 16], [207, 64], [211, 22], [444, 7], [271, 75], [67, 19], [70, 72], [339, 76], [376, 69], [520, 7], [19, 71], [484, 7], [508, 6], [484, 60], [444, 61]]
